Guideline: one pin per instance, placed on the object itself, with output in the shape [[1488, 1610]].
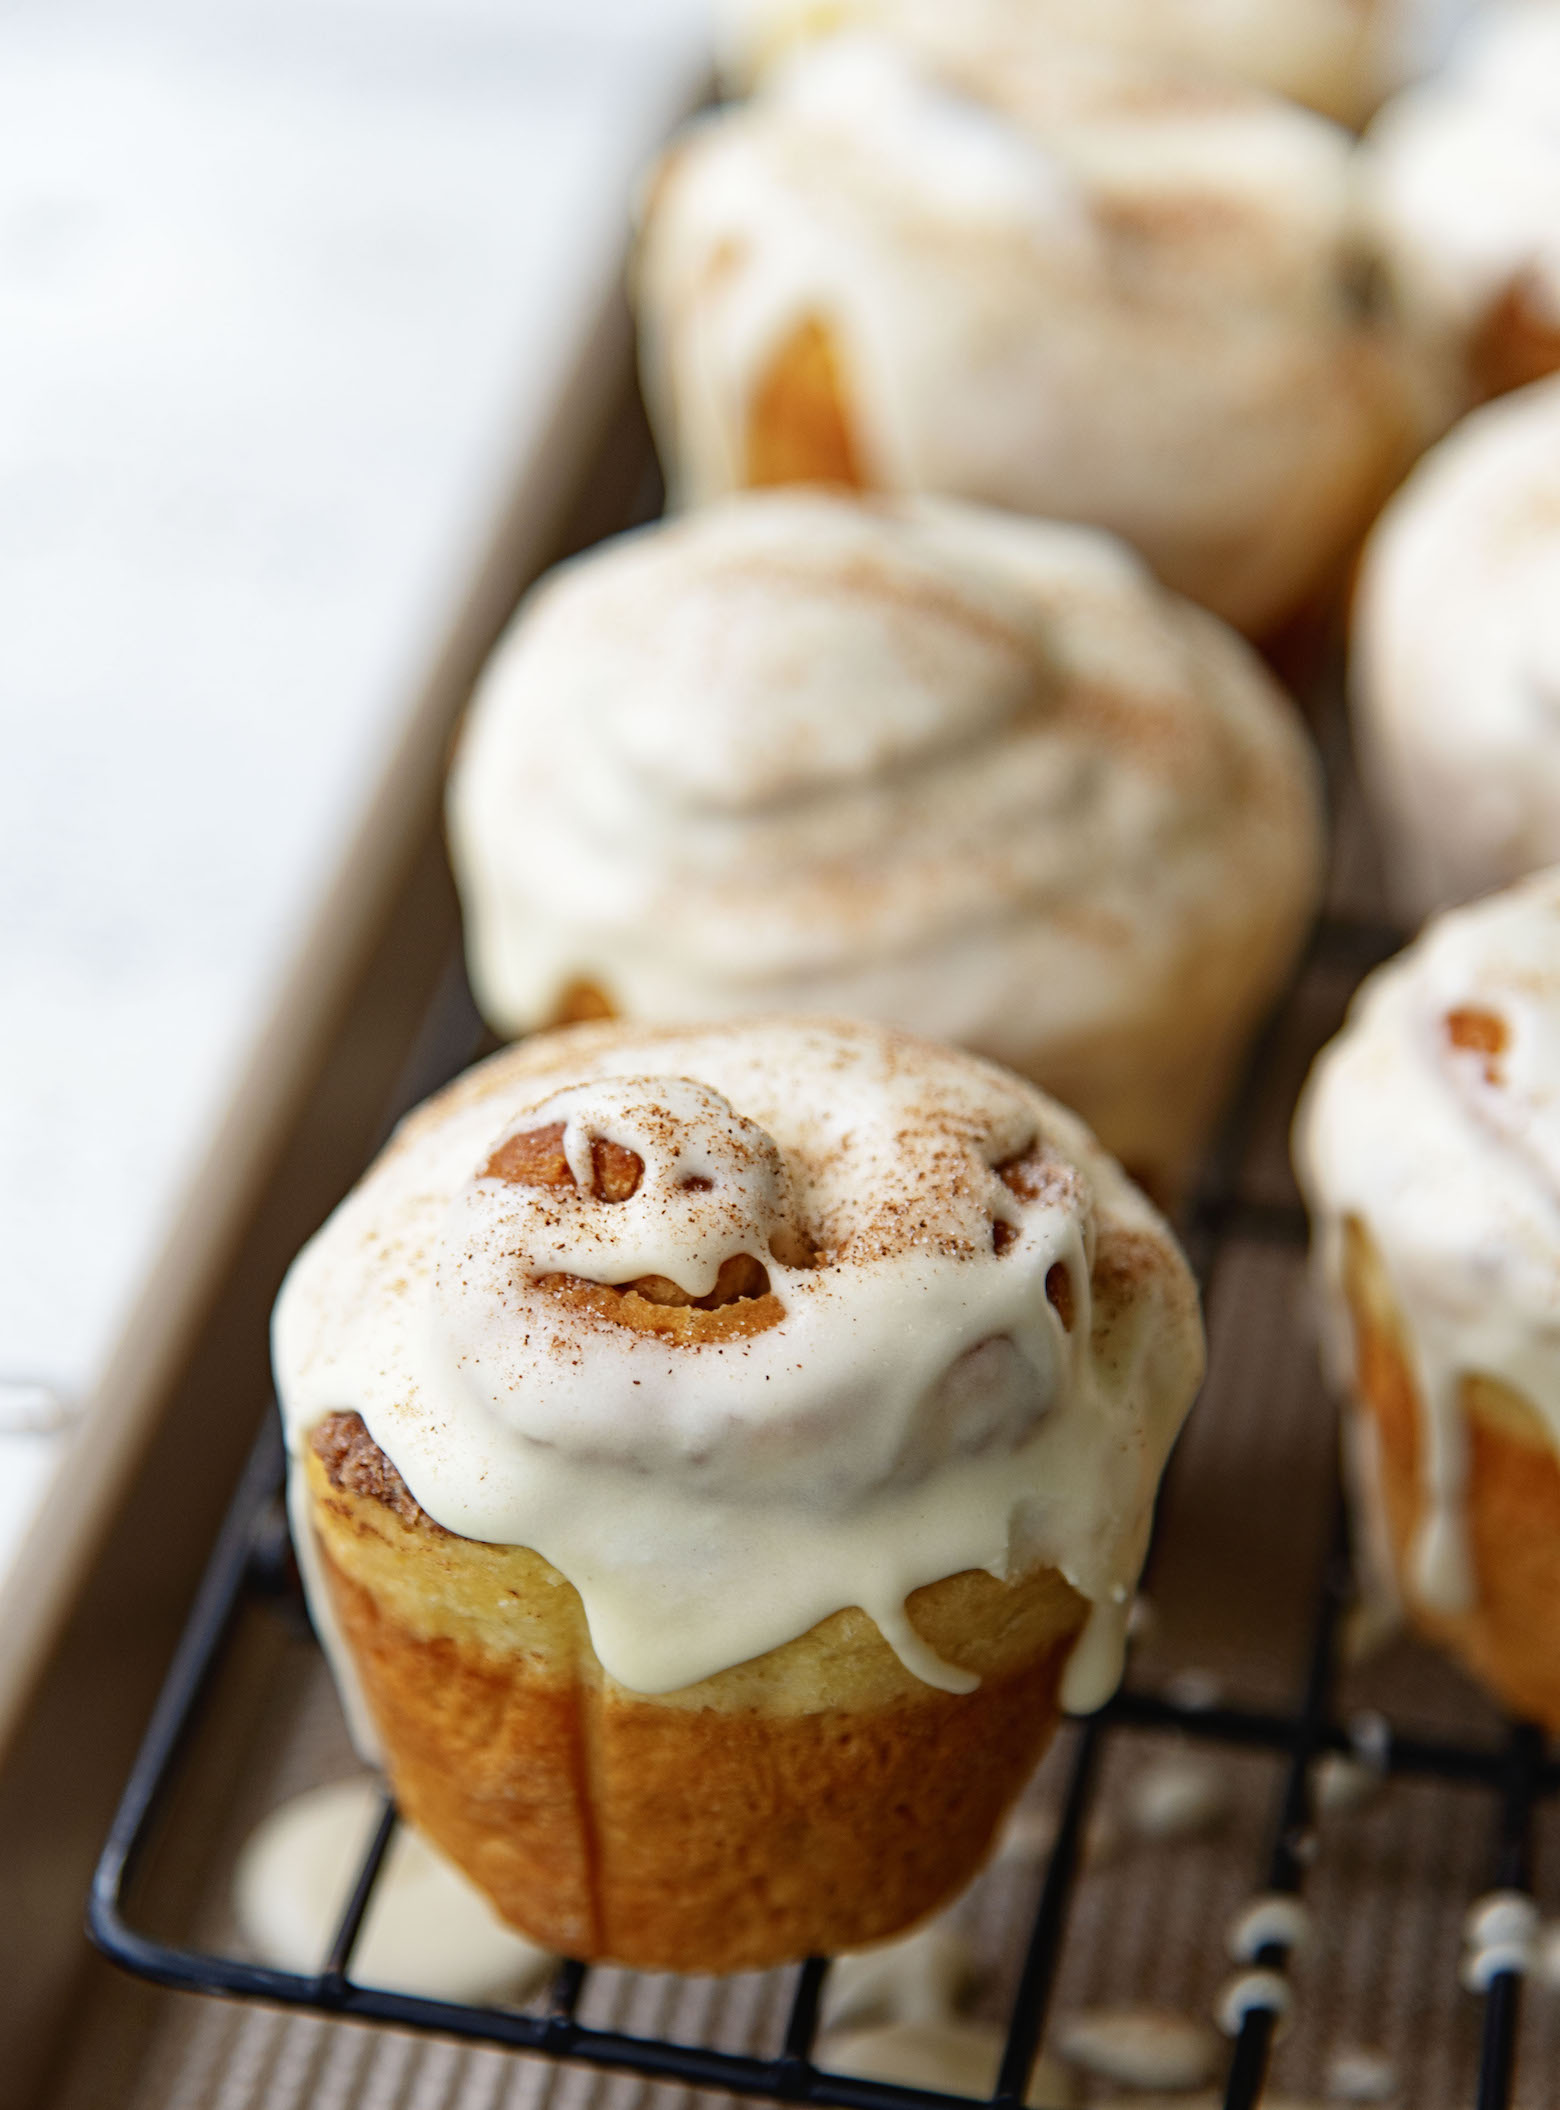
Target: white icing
[[327, 1628], [1139, 2047], [1094, 1668], [1501, 1916], [1063, 280], [1344, 1785], [1179, 1797], [1194, 1688], [1456, 665], [1371, 1735], [972, 774], [1359, 2075], [428, 1930], [712, 1502], [1451, 1161], [1340, 56], [954, 2057], [1482, 1966], [920, 1979], [1251, 1992], [1030, 1835], [1275, 1918], [1348, 1782], [1461, 177]]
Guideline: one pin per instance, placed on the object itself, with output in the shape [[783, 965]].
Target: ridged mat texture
[[1233, 1586]]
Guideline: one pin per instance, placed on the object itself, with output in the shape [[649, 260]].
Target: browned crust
[[355, 1465], [580, 1002], [799, 427], [739, 1824], [1511, 1639], [1518, 341], [652, 1304]]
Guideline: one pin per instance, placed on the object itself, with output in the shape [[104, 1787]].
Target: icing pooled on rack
[[1456, 670], [429, 1931], [1060, 278], [1434, 1122], [742, 1327]]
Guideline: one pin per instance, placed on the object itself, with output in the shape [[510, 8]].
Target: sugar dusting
[[712, 1497]]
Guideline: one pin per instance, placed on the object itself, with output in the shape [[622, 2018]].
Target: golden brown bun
[[1071, 281], [801, 430], [1511, 1640], [819, 1797], [1518, 341]]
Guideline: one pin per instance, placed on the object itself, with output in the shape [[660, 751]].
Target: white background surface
[[286, 293]]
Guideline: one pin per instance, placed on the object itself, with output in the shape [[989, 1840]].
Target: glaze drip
[[890, 1402], [1433, 1122]]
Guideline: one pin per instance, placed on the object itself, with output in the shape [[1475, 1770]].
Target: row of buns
[[725, 1427]]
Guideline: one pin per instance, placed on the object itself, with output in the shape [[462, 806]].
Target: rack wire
[[251, 1562]]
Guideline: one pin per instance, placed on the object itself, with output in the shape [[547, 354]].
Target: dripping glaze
[[1433, 1120], [910, 1390]]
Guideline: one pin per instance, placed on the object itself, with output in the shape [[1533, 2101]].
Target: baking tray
[[1250, 1658]]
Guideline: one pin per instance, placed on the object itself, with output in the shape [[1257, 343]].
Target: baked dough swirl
[[1456, 658], [1068, 281], [1428, 1144], [658, 1384], [974, 775]]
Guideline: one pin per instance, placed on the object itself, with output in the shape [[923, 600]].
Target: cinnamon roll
[[712, 1454], [1428, 1144], [1338, 56], [1067, 281], [1461, 183], [1456, 658], [974, 775]]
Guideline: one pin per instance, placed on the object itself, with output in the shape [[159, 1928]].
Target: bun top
[[1434, 1121], [974, 774], [1339, 56], [1060, 278], [741, 1327], [1461, 181], [1457, 656]]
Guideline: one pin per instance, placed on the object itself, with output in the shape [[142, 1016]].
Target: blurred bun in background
[[1339, 56], [1429, 1150], [1462, 189], [908, 760], [1069, 280], [1456, 660]]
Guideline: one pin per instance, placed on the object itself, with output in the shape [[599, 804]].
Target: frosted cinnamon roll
[[975, 775], [1338, 56], [1068, 282], [712, 1453], [1461, 184], [1456, 658], [1428, 1144]]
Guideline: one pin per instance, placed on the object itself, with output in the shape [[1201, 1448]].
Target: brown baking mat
[[1233, 1584]]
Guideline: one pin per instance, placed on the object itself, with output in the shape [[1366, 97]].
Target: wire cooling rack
[[1513, 1776]]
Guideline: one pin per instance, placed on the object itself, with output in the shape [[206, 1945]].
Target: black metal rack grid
[[250, 1561]]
